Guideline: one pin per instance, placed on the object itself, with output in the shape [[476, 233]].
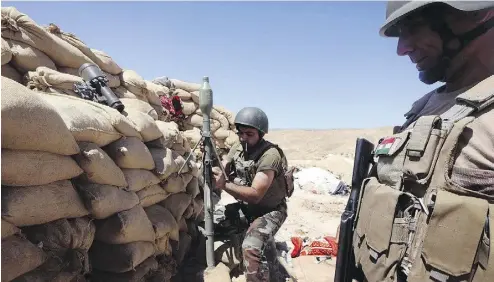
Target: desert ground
[[314, 215]]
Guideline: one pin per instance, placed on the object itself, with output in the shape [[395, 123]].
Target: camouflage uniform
[[266, 217], [258, 236]]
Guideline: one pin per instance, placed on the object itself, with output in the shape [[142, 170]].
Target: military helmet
[[253, 117], [396, 10]]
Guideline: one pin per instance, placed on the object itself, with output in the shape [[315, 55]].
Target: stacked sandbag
[[37, 168], [88, 191], [222, 120]]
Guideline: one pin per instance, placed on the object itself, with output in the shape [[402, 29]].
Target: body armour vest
[[412, 219], [245, 171]]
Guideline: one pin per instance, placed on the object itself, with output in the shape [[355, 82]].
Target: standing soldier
[[261, 182], [427, 209]]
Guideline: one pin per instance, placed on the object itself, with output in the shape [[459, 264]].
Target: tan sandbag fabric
[[145, 124], [125, 227], [6, 52], [113, 80], [192, 187], [99, 58], [122, 92], [64, 238], [25, 206], [43, 78], [28, 58], [141, 106], [141, 273], [119, 258], [130, 153], [133, 82], [20, 27], [189, 107], [176, 183], [155, 91], [11, 73], [30, 123], [184, 85], [165, 162], [138, 179], [19, 256], [25, 168], [98, 166], [184, 95], [151, 195], [8, 229], [177, 204], [91, 122], [164, 224], [103, 201]]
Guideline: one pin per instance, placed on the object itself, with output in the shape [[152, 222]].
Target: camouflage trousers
[[260, 233]]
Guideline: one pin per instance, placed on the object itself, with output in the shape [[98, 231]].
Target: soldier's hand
[[219, 178]]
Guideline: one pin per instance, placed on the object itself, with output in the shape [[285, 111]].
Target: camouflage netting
[[88, 193]]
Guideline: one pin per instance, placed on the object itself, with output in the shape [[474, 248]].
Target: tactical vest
[[245, 170], [411, 217]]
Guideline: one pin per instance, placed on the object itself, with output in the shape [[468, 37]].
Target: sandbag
[[133, 82], [182, 247], [119, 258], [198, 204], [195, 96], [196, 120], [103, 201], [140, 274], [141, 106], [184, 95], [125, 227], [25, 168], [130, 153], [43, 78], [155, 91], [24, 206], [184, 85], [170, 134], [144, 124], [113, 80], [193, 135], [30, 123], [189, 108], [20, 27], [182, 223], [10, 72], [151, 195], [139, 178], [122, 92], [177, 204], [55, 270], [164, 224], [165, 162], [230, 116], [19, 256], [92, 122], [222, 133], [215, 115], [98, 166], [28, 58], [163, 246], [105, 63], [192, 187], [6, 52], [176, 183], [58, 236], [8, 229]]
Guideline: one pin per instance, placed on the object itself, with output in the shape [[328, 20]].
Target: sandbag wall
[[89, 193]]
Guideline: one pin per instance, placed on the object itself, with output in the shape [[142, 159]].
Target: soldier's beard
[[435, 73], [250, 148]]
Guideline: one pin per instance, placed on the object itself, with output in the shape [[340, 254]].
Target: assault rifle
[[95, 87], [345, 260]]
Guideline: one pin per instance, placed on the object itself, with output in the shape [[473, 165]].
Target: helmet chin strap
[[452, 45]]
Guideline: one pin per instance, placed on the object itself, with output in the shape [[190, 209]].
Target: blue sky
[[278, 56]]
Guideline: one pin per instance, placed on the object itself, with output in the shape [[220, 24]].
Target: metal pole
[[206, 105]]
